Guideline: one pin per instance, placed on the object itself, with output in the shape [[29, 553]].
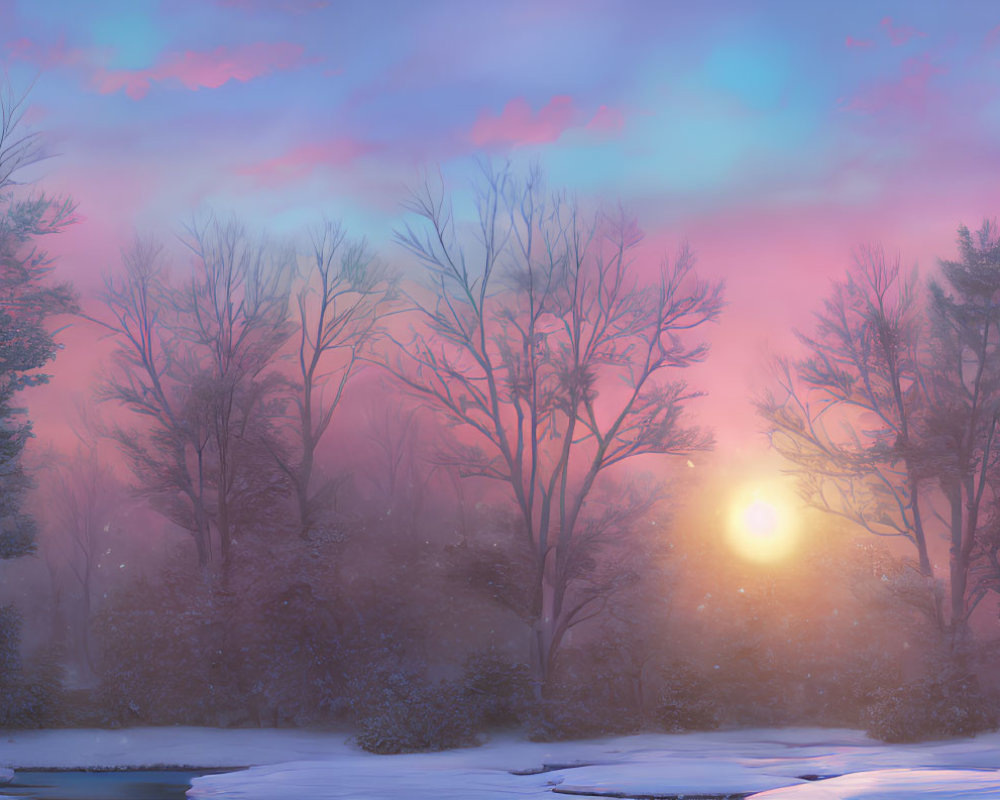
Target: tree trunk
[[304, 475], [225, 534], [303, 479], [918, 524], [201, 533], [542, 651], [958, 567]]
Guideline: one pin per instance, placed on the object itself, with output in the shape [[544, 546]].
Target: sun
[[762, 523]]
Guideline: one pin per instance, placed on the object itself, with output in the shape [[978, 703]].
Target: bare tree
[[235, 317], [401, 470], [547, 353], [195, 362], [345, 294], [166, 453], [19, 147], [845, 415]]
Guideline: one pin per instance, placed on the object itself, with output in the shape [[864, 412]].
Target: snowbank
[[421, 778], [729, 762], [896, 784], [667, 776]]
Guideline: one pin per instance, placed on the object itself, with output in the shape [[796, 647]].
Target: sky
[[773, 137]]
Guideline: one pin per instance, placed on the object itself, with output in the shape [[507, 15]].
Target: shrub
[[576, 712], [78, 708], [397, 711], [29, 698], [250, 646], [687, 701], [844, 689], [291, 652], [943, 704], [597, 690], [496, 690], [157, 655]]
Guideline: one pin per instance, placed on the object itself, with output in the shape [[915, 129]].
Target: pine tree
[[27, 299]]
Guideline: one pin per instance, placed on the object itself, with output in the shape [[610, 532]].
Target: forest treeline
[[446, 485]]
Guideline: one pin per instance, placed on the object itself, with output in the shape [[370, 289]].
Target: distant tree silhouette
[[345, 293], [82, 505]]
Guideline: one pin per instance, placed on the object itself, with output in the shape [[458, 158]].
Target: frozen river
[[131, 785]]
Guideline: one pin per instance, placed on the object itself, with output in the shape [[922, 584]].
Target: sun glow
[[762, 525]]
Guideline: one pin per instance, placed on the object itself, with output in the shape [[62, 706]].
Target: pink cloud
[[19, 48], [301, 161], [908, 92], [899, 35], [518, 125], [197, 70], [55, 55], [858, 44], [607, 121]]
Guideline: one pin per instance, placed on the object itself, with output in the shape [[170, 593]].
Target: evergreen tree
[[964, 406], [27, 298]]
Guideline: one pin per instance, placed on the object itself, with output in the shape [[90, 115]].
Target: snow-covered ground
[[301, 765]]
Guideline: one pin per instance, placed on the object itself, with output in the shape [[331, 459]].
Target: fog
[[304, 488]]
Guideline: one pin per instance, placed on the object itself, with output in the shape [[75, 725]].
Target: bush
[[844, 689], [78, 708], [597, 690], [248, 647], [159, 655], [397, 711], [29, 697], [291, 657], [943, 704], [578, 712], [496, 691], [687, 701]]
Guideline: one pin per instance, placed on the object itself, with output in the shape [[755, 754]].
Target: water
[[131, 785]]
